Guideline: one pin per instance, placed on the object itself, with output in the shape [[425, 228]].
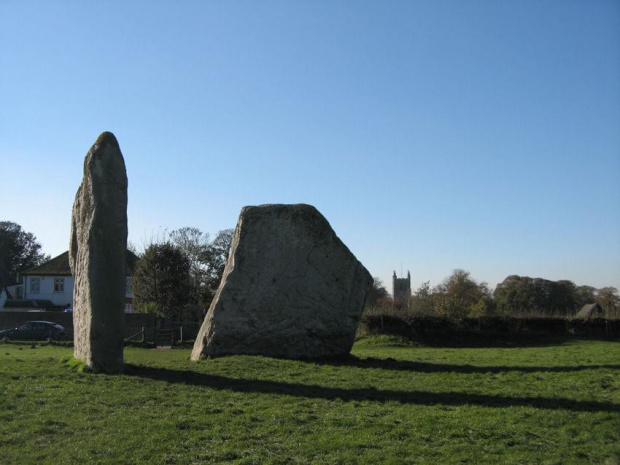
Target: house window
[[59, 285], [128, 285], [35, 285]]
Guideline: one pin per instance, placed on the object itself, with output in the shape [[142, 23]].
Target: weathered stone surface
[[98, 257], [290, 289]]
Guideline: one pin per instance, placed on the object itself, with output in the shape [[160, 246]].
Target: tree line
[[175, 274], [183, 269], [461, 296]]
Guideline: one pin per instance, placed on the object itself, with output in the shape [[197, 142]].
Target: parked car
[[35, 331]]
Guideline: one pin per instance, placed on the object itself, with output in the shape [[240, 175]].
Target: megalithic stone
[[290, 289], [98, 257]]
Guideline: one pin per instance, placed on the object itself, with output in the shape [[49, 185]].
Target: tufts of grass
[[75, 364], [386, 340]]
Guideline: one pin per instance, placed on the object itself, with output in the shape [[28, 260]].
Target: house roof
[[590, 310], [59, 266]]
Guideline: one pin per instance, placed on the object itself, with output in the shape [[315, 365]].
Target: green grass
[[390, 403]]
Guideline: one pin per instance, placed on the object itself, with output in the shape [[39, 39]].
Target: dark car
[[35, 331]]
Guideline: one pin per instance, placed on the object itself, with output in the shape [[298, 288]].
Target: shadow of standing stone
[[290, 289], [98, 257]]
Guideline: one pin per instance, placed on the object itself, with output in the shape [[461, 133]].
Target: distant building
[[591, 311], [51, 285], [401, 289]]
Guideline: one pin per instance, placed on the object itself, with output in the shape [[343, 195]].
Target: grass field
[[388, 403]]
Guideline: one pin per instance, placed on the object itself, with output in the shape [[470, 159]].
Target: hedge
[[420, 326]]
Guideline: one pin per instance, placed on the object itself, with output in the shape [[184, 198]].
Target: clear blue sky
[[481, 135]]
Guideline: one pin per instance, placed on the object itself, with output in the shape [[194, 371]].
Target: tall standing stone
[[290, 289], [98, 257]]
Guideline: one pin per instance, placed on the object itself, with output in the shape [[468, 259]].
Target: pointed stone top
[[106, 138], [105, 161]]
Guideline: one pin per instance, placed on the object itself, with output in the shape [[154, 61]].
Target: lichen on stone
[[106, 137]]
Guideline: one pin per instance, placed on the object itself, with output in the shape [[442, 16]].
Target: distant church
[[401, 289]]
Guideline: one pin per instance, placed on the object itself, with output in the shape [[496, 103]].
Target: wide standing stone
[[290, 289], [98, 257]]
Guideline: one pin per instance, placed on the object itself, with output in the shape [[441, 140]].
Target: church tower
[[401, 289]]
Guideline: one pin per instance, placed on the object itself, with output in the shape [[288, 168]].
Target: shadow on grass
[[423, 367], [367, 394]]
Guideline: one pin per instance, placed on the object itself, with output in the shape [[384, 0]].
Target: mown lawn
[[389, 403]]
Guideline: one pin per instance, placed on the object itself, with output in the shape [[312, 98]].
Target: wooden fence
[[139, 327]]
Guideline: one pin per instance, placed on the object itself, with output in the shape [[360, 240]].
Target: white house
[[53, 281]]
